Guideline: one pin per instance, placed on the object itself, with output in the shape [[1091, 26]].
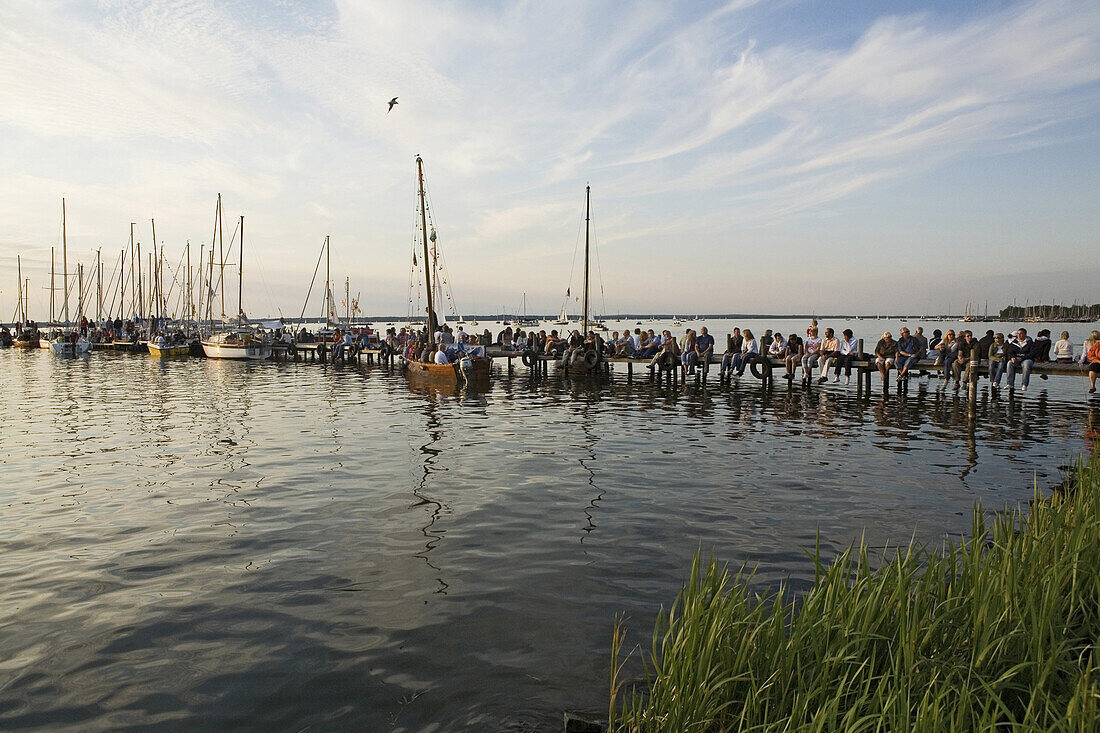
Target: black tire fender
[[761, 366], [667, 361], [591, 359], [528, 358]]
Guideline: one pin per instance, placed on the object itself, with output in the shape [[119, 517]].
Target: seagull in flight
[[392, 103]]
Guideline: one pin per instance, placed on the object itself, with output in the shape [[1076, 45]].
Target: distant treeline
[[1051, 312]]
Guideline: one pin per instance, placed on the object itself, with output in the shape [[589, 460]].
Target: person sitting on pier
[[778, 346], [849, 352], [996, 355], [886, 353], [520, 342], [624, 346], [1021, 355], [766, 341], [829, 353], [1063, 349], [704, 348], [733, 350], [687, 351], [908, 353], [750, 348], [945, 354], [555, 345], [573, 347], [968, 349], [793, 355], [651, 344], [811, 351], [1091, 359], [667, 345]]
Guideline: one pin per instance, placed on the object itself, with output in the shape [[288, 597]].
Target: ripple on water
[[204, 544]]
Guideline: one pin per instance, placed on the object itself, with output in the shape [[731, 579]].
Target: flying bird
[[392, 103]]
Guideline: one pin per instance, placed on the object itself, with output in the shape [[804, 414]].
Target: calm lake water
[[214, 545]]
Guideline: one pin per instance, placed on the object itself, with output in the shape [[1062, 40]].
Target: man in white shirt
[[441, 355]]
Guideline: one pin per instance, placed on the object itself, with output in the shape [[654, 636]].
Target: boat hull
[[67, 348], [447, 376], [249, 352], [25, 343], [169, 352]]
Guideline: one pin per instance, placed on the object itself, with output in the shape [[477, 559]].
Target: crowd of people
[[829, 354]]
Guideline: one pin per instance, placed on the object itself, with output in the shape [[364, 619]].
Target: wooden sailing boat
[[467, 370], [589, 364]]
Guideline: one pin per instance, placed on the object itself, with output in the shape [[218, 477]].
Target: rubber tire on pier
[[667, 361], [351, 352], [528, 358], [591, 359], [384, 351], [291, 351], [761, 367]]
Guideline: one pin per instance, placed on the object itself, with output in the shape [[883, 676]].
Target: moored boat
[[466, 370], [237, 344]]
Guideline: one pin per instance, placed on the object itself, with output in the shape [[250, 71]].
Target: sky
[[753, 156]]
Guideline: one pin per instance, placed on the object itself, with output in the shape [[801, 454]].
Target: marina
[[597, 367]]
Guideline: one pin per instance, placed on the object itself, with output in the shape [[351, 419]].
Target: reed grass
[[993, 632]]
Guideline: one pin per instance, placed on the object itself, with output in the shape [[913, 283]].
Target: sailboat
[[563, 319], [589, 363], [61, 345], [468, 370], [524, 321], [240, 342]]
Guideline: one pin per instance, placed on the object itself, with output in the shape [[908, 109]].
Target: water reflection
[[305, 545], [434, 431]]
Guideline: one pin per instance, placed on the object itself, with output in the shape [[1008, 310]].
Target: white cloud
[[684, 120]]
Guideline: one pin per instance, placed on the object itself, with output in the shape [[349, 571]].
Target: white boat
[[62, 347], [563, 319], [240, 343]]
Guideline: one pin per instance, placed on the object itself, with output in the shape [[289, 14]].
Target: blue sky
[[788, 156]]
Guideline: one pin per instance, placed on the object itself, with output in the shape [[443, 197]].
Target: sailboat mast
[[65, 260], [19, 305], [587, 204], [53, 286], [154, 292], [328, 283], [221, 254], [140, 285], [99, 284], [347, 300], [240, 276], [133, 283], [427, 262], [188, 309]]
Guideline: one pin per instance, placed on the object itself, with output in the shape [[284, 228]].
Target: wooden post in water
[[972, 383], [859, 371]]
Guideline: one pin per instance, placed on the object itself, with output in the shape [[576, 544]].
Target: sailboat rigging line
[[110, 285], [222, 264], [573, 264], [440, 261], [599, 269], [316, 268]]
